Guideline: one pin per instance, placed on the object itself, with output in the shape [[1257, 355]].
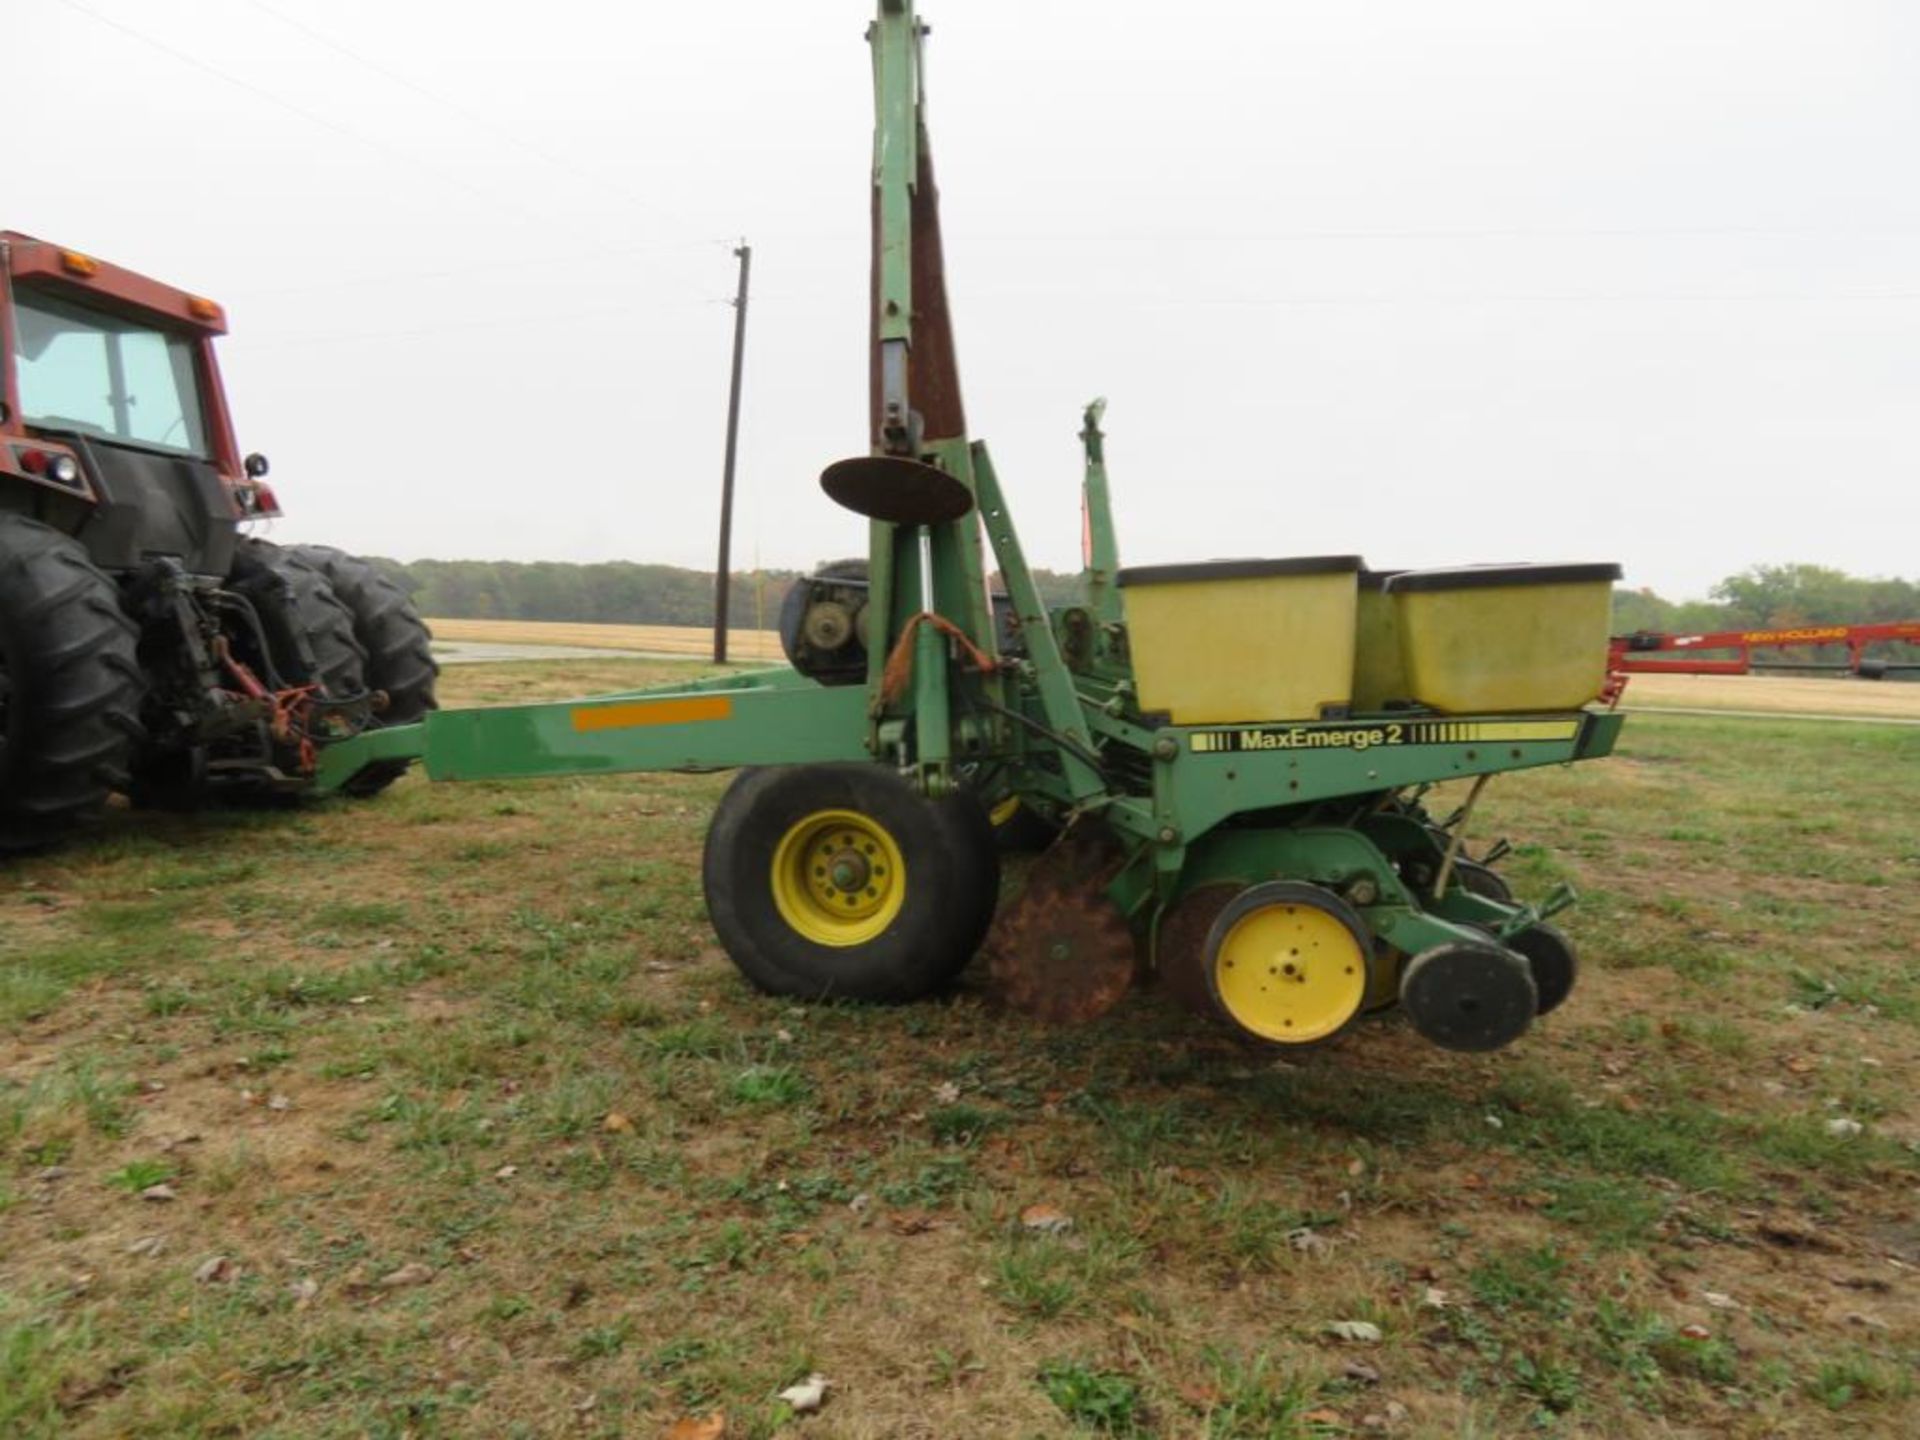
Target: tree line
[[624, 592], [612, 593], [1772, 597]]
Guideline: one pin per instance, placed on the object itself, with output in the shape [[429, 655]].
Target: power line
[[477, 118], [531, 323], [313, 117]]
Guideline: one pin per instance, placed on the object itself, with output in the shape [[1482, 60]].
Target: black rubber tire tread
[[340, 661], [398, 646], [75, 687], [952, 870], [980, 875]]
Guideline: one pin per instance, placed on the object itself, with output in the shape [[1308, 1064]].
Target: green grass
[[508, 1051]]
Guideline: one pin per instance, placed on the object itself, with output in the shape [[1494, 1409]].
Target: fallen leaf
[[160, 1194], [1433, 1298], [1844, 1127], [1045, 1220], [1719, 1301], [1363, 1332], [1800, 1065], [1308, 1241], [1695, 1332], [303, 1290], [214, 1270], [1360, 1373], [616, 1123], [506, 1172], [860, 1203], [946, 1092], [412, 1273], [1201, 1395], [697, 1427], [1870, 1322], [148, 1245], [1324, 1416], [358, 999], [808, 1395]]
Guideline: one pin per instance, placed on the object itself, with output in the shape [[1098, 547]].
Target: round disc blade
[[896, 489]]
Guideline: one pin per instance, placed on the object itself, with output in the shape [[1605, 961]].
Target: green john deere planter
[[1231, 755]]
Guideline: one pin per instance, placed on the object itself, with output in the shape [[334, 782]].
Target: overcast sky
[[1435, 282]]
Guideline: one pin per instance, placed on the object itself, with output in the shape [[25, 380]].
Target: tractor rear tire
[[307, 606], [70, 686], [919, 884], [398, 647]]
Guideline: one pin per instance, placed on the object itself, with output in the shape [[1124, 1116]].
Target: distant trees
[[616, 592], [622, 592], [1773, 597]]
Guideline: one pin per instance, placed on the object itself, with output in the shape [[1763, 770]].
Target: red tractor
[[147, 644]]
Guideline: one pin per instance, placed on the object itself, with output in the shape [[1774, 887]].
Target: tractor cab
[[113, 423], [147, 645]]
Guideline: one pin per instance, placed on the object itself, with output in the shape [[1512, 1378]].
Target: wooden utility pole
[[721, 581]]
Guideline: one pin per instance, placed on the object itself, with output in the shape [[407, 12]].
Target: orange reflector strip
[[651, 712], [74, 263]]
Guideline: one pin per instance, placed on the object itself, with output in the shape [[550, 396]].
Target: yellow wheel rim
[[1290, 972], [838, 878]]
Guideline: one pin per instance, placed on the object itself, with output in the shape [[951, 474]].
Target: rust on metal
[[1063, 952], [1180, 944], [896, 489]]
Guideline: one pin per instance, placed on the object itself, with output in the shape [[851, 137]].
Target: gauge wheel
[[1287, 963]]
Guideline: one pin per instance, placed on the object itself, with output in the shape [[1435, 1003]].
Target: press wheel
[[1469, 995], [1551, 960]]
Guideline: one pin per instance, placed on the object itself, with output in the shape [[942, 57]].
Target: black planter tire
[[840, 881], [70, 686], [398, 646]]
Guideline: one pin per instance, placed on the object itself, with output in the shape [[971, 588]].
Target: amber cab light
[[74, 263], [202, 308]]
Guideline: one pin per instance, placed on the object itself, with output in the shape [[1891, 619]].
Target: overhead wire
[[483, 121], [486, 197]]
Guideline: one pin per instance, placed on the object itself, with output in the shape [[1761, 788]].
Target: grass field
[[469, 1130], [654, 639]]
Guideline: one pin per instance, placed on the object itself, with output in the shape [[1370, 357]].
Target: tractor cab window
[[107, 375]]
